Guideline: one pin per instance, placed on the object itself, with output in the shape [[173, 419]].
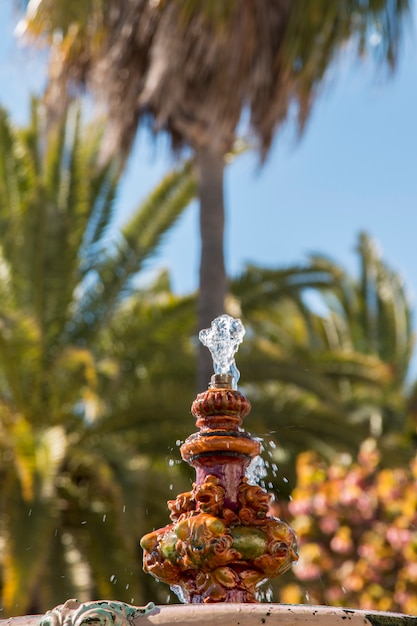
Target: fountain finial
[[223, 339]]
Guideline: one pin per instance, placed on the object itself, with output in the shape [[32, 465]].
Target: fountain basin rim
[[239, 614], [236, 614]]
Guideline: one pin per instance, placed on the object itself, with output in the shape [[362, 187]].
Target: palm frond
[[272, 57], [20, 359], [140, 238], [102, 194]]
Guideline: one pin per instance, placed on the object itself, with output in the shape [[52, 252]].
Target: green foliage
[[326, 357], [74, 478], [356, 524]]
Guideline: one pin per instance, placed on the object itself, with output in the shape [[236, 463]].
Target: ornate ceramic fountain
[[222, 543]]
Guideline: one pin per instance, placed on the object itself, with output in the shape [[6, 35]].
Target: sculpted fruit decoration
[[222, 543]]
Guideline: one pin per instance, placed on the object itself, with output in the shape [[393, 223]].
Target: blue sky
[[354, 169]]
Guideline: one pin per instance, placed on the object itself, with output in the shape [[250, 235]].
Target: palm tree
[[75, 479], [195, 67]]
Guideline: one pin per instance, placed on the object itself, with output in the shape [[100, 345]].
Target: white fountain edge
[[230, 614]]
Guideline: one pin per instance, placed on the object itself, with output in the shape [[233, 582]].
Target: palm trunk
[[213, 282]]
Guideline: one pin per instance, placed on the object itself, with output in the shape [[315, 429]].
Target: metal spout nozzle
[[221, 381]]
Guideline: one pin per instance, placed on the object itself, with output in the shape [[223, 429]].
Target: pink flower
[[398, 537]]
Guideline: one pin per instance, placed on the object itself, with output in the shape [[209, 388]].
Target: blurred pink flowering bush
[[357, 529]]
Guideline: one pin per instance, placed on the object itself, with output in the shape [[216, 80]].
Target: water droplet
[[112, 578], [127, 586], [124, 509], [178, 442], [30, 512], [171, 487], [375, 39], [84, 522], [272, 444], [104, 517], [171, 462], [285, 479]]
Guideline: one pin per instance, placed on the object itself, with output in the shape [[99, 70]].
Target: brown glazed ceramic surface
[[223, 543]]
